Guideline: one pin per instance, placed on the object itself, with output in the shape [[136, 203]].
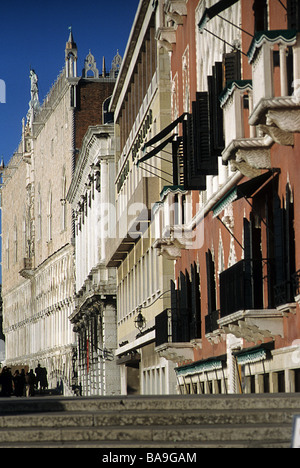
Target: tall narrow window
[[211, 283], [15, 254], [7, 253], [49, 216], [39, 215], [293, 13], [260, 8], [64, 203], [24, 237]]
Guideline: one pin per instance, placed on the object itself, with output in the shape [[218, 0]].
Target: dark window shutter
[[289, 235], [270, 250], [174, 312], [193, 178], [196, 304], [293, 10], [215, 87], [183, 292], [174, 302], [278, 241], [232, 67], [175, 161], [184, 308], [247, 265], [202, 134], [211, 283]]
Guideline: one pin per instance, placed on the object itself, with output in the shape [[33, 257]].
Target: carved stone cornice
[[176, 352], [176, 10], [166, 36], [249, 155], [179, 239], [216, 337], [279, 136], [282, 113], [176, 6], [254, 325]]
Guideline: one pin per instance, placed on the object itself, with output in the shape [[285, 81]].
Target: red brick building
[[235, 319]]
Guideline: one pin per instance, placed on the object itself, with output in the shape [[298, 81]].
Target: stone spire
[[71, 55], [103, 68]]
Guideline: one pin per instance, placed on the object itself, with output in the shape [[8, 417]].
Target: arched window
[[108, 117]]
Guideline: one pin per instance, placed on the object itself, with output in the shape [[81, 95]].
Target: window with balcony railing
[[241, 287], [182, 322]]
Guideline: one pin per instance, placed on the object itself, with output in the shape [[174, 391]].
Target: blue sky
[[34, 34]]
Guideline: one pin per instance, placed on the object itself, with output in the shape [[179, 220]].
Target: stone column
[[111, 371]]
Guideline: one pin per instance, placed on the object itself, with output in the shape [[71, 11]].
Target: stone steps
[[149, 422]]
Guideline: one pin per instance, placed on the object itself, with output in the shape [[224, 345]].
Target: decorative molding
[[90, 65], [180, 238], [284, 105], [40, 315], [176, 6], [249, 155], [176, 352], [279, 136], [287, 120], [254, 325], [166, 36], [216, 337]]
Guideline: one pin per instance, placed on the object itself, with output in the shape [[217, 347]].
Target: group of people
[[23, 383]]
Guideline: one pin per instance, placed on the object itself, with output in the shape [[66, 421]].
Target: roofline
[[131, 45]]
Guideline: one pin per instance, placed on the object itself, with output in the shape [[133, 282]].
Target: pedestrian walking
[[38, 373], [30, 382], [6, 382], [18, 384], [44, 380]]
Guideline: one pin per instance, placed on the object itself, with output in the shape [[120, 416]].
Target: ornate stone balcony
[[249, 155], [27, 269], [254, 325], [170, 216], [274, 115], [276, 109]]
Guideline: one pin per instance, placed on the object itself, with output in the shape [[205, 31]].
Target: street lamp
[[140, 322]]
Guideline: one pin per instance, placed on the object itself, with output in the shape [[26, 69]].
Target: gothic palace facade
[[160, 253], [38, 233]]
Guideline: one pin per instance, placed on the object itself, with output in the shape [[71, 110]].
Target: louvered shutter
[[196, 304], [215, 87], [202, 135], [184, 308], [293, 10], [232, 67], [175, 162], [248, 263], [211, 284], [278, 241], [193, 178], [289, 243], [174, 304]]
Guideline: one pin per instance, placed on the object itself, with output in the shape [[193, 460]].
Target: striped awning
[[247, 189], [199, 367], [282, 36], [252, 357]]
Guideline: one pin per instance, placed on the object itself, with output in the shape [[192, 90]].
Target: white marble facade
[[94, 319]]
